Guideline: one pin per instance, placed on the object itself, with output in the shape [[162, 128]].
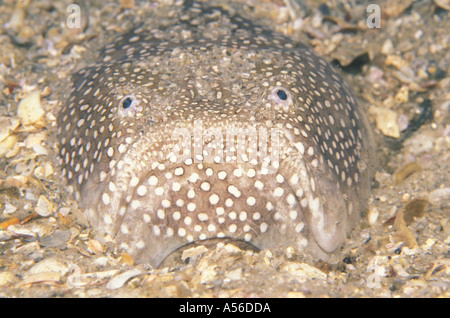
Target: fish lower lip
[[185, 253]]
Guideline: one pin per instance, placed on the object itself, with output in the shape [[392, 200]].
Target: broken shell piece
[[7, 278], [193, 253], [30, 109], [49, 265], [386, 121], [443, 4], [45, 277], [372, 215], [7, 126], [44, 207], [304, 271], [9, 208], [119, 280], [95, 246], [34, 141], [9, 147], [57, 239]]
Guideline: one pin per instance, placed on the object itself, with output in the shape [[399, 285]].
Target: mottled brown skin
[[211, 74]]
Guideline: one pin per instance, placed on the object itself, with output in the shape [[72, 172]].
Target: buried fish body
[[212, 127]]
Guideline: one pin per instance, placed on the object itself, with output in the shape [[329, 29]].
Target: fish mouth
[[264, 203], [227, 205]]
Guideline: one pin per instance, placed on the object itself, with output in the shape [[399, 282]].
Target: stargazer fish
[[206, 126]]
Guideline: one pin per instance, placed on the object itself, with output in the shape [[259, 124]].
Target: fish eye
[[281, 93], [126, 102], [129, 106], [281, 97]]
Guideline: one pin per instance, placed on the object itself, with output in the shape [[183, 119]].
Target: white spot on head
[[161, 214], [110, 152], [122, 148], [259, 185], [237, 172], [256, 216], [141, 190], [300, 147], [194, 177], [251, 173], [234, 191], [106, 198], [304, 202], [263, 227], [251, 201], [205, 186], [134, 181], [293, 214], [112, 187], [278, 192], [135, 204], [159, 191], [188, 220], [209, 172], [153, 181], [191, 207], [290, 199], [140, 244], [103, 175], [191, 194], [220, 211], [279, 178], [222, 175], [213, 198], [156, 230], [176, 186], [299, 227], [179, 171], [107, 219], [176, 215], [124, 229]]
